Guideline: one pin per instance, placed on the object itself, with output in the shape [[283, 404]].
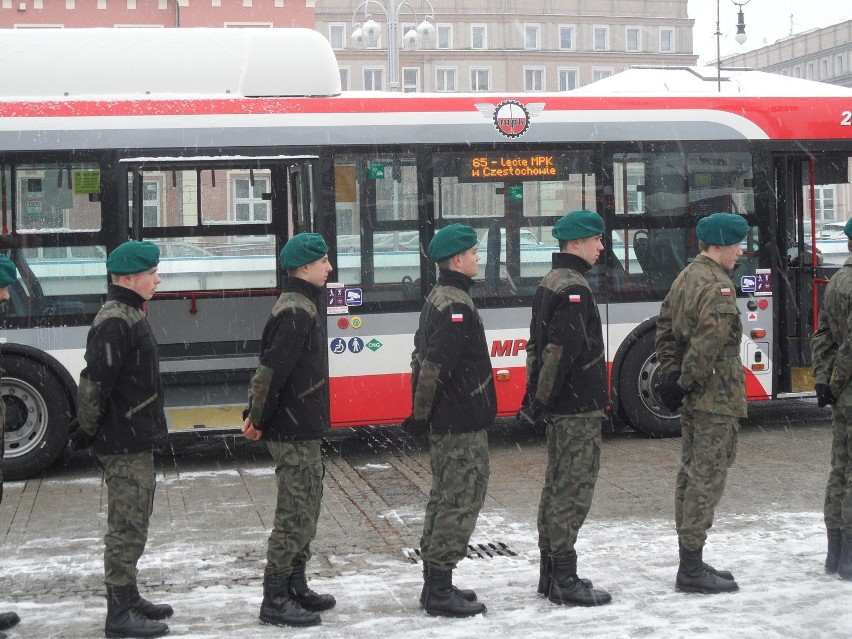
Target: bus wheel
[[637, 403], [37, 416]]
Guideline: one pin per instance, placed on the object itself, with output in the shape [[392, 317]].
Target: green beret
[[848, 228], [133, 257], [452, 240], [722, 229], [578, 225], [302, 249], [8, 272]]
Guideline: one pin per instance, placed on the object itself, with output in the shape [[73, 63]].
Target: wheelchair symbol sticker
[[338, 345]]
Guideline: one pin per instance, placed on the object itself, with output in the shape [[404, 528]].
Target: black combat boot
[[693, 576], [443, 601], [467, 595], [304, 596], [278, 609], [835, 541], [724, 574], [148, 609], [8, 619], [123, 620], [567, 588], [545, 573], [844, 566]]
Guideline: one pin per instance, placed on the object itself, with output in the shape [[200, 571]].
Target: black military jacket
[[289, 397], [452, 379], [120, 396], [566, 366]]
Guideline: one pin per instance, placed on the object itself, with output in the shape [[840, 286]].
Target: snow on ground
[[776, 557]]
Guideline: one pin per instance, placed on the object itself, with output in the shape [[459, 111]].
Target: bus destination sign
[[510, 167]]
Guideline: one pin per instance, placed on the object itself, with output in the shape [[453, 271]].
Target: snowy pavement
[[212, 514]]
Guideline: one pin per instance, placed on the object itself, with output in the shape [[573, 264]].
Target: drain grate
[[485, 550]]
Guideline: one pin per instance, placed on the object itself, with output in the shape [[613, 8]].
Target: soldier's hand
[[415, 426], [669, 392], [250, 432], [824, 396], [531, 413], [78, 439]]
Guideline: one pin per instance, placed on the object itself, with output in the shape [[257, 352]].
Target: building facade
[[20, 14], [508, 45], [819, 54]]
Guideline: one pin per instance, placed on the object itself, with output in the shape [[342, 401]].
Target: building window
[[667, 40], [601, 38], [838, 65], [633, 38], [810, 71], [785, 72], [445, 36], [337, 35], [344, 78], [600, 74], [531, 36], [249, 205], [568, 79], [823, 69], [824, 200], [373, 79], [480, 79], [533, 79], [797, 72], [445, 79], [478, 36], [566, 37], [410, 80]]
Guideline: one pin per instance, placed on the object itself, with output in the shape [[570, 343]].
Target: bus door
[[807, 257], [220, 224]]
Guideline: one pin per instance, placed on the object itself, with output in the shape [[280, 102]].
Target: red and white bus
[[220, 157]]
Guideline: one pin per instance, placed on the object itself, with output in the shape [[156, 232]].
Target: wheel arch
[[53, 364]]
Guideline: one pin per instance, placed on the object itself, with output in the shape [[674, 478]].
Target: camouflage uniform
[[698, 336], [831, 348], [289, 403], [454, 393], [120, 405], [566, 378]]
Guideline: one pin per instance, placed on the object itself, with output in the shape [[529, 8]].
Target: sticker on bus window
[[748, 283], [763, 282], [336, 304]]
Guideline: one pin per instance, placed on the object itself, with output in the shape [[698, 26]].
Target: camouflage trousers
[[838, 493], [708, 450], [573, 461], [130, 482], [299, 472], [460, 473]]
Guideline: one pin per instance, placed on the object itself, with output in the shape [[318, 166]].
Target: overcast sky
[[766, 22]]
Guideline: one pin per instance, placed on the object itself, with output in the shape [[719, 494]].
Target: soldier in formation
[[120, 413], [698, 346], [8, 275], [455, 399], [567, 389], [289, 410], [831, 350]]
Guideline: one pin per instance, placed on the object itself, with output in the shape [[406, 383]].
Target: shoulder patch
[[574, 298], [457, 317], [726, 292]]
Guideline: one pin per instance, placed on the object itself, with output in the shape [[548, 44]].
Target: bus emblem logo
[[511, 118]]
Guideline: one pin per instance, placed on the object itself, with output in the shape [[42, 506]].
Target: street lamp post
[[740, 37], [370, 30]]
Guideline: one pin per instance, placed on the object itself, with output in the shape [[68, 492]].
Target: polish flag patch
[[457, 317], [574, 299], [726, 292]]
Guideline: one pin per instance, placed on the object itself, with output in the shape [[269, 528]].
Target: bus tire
[[638, 406], [38, 412]]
